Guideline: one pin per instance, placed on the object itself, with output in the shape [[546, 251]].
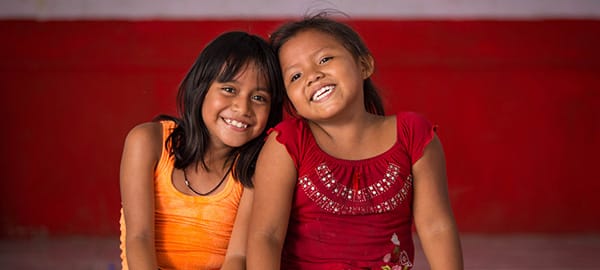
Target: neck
[[356, 139], [349, 128], [216, 160]]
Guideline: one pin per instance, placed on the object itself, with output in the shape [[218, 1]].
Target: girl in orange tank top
[[185, 180]]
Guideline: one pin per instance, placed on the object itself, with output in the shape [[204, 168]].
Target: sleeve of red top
[[415, 132], [288, 135]]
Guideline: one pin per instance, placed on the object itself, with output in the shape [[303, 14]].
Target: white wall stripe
[[265, 9]]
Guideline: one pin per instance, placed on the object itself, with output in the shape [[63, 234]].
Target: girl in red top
[[340, 185]]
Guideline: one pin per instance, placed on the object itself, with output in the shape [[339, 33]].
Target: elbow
[[141, 238], [435, 227], [265, 239]]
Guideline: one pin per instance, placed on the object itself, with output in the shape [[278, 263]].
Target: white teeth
[[321, 93], [236, 123]]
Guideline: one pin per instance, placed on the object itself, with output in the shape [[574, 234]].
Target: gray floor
[[509, 252]]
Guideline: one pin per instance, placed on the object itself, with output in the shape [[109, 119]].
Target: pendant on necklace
[[187, 183]]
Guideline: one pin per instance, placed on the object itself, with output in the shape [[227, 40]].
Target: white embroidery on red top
[[355, 201]]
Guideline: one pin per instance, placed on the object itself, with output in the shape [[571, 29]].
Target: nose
[[314, 77], [241, 105]]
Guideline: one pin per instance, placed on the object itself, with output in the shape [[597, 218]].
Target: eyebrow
[[285, 70], [263, 89]]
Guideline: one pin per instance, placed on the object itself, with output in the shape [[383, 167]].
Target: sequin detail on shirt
[[351, 200]]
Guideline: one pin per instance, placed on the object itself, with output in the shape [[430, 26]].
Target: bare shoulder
[[146, 131], [272, 137], [274, 156], [272, 147], [145, 137]]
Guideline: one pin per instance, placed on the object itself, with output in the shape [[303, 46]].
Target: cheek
[[262, 115], [204, 111], [293, 94], [209, 108]]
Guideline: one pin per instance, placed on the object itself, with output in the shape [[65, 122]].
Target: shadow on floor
[[482, 252]]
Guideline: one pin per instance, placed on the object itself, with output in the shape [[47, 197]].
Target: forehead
[[242, 71], [308, 41]]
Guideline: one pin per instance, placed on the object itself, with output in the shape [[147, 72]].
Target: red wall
[[517, 103]]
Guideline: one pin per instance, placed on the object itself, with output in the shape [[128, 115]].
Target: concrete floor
[[484, 252]]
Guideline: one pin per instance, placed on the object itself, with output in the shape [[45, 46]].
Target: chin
[[236, 143]]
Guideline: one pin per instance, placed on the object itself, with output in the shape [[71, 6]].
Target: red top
[[352, 214]]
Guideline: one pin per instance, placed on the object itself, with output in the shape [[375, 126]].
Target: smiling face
[[237, 111], [322, 78]]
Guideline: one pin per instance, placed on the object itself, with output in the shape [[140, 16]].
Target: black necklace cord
[[187, 183]]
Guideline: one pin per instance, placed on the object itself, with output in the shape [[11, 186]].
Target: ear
[[367, 65]]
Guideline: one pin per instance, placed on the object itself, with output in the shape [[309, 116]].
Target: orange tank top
[[191, 232]]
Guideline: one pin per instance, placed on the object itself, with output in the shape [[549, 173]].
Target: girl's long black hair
[[222, 60], [343, 34]]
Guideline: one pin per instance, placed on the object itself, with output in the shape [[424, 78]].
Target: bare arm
[[141, 153], [433, 215], [235, 258], [275, 179]]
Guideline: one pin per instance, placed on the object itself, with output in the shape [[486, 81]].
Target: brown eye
[[259, 98], [325, 60], [226, 89], [295, 77]]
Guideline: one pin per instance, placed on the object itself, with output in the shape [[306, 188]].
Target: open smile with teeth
[[235, 123], [321, 93]]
